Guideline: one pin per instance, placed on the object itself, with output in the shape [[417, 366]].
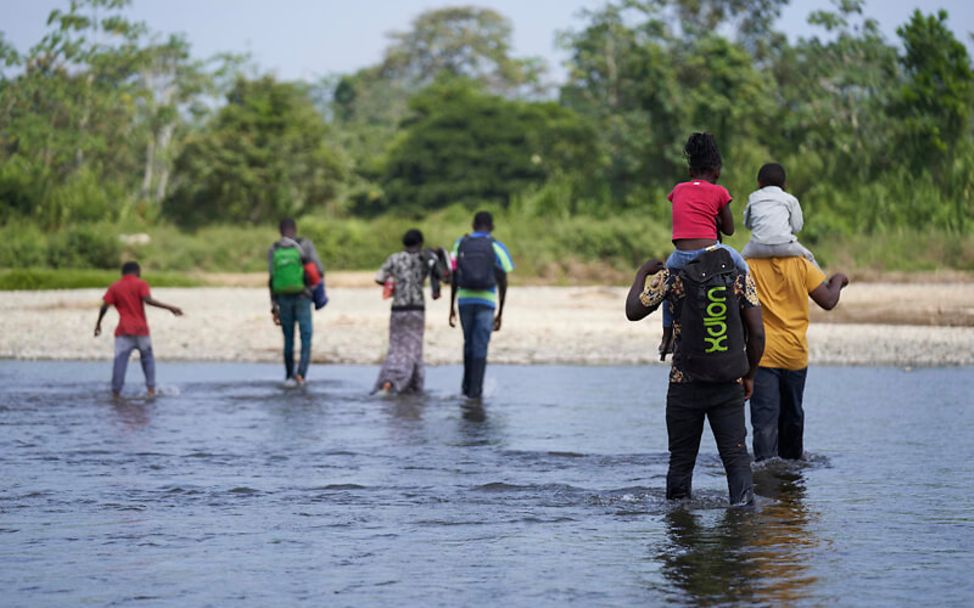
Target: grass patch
[[33, 279]]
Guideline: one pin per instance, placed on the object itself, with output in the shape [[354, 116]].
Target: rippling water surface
[[230, 490]]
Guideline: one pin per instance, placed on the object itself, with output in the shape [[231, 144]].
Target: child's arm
[[725, 220], [795, 215], [101, 315], [153, 302]]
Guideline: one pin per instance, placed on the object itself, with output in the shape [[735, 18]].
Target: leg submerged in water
[[124, 345], [684, 426]]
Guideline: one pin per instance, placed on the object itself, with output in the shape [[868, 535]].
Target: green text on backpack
[[287, 276]]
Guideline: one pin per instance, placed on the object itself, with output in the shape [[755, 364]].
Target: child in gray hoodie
[[773, 216]]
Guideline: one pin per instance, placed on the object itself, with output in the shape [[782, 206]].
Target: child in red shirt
[[129, 295], [701, 210]]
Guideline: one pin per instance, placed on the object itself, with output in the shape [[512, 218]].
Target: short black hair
[[772, 174], [483, 220], [702, 154], [131, 268], [287, 224], [412, 238]]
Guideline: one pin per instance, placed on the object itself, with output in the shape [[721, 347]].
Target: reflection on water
[[229, 490], [758, 554]]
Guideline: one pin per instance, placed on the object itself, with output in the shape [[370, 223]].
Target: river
[[229, 490]]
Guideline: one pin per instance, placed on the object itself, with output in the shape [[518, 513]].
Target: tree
[[264, 155], [935, 101], [463, 145]]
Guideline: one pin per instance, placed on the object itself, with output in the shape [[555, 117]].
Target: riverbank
[[876, 324]]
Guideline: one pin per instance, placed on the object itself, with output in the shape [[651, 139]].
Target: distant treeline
[[105, 121]]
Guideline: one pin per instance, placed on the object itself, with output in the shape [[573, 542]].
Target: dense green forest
[[108, 129]]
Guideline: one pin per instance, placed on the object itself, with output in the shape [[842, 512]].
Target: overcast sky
[[303, 39]]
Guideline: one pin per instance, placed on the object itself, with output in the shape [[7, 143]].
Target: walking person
[[481, 266], [777, 412], [129, 295], [718, 341], [291, 295], [404, 274]]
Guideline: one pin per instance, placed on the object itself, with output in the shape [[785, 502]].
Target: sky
[[307, 39]]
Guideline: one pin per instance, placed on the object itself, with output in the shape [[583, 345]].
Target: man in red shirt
[[129, 295]]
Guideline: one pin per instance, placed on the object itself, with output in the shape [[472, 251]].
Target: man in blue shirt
[[481, 265]]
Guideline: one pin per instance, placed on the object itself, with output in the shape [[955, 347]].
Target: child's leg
[[124, 345], [144, 344]]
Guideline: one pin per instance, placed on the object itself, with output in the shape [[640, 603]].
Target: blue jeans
[[124, 345], [777, 415], [477, 321], [679, 259], [296, 309]]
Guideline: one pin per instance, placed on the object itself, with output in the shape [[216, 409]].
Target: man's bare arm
[[635, 310], [453, 303], [755, 346], [502, 291], [101, 315], [827, 294]]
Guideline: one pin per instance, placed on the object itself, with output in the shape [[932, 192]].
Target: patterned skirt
[[403, 367]]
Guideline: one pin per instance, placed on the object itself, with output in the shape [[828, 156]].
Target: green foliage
[[107, 127], [44, 278], [937, 97], [264, 156], [462, 145]]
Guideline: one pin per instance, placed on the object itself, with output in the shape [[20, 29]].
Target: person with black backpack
[[481, 265], [719, 340]]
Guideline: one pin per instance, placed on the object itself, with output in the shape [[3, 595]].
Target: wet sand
[[904, 324]]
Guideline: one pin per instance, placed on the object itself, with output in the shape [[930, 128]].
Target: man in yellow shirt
[[784, 286]]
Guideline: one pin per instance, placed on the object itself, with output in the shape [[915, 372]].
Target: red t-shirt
[[126, 295], [695, 208]]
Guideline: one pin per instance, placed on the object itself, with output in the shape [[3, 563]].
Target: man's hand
[[97, 330], [748, 387], [652, 266], [276, 315], [453, 317], [497, 323], [177, 311]]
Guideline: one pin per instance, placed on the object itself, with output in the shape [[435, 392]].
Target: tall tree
[[463, 145], [265, 154]]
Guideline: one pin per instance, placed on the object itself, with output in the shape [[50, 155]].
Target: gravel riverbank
[[877, 324]]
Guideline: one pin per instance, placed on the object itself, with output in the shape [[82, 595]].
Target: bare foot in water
[[150, 393], [299, 379]]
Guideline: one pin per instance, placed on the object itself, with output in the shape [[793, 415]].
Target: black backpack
[[475, 263], [711, 346]]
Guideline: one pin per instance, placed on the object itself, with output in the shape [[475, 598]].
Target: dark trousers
[[777, 416], [723, 405], [477, 321]]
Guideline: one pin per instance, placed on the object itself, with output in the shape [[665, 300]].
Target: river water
[[230, 490]]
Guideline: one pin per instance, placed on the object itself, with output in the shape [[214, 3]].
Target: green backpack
[[287, 276]]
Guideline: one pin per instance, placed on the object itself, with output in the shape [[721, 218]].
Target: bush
[[85, 246]]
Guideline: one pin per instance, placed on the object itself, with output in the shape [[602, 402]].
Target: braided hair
[[702, 154]]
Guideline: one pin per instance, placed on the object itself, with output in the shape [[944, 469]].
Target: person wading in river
[[481, 268], [404, 273], [290, 295], [784, 286], [718, 341]]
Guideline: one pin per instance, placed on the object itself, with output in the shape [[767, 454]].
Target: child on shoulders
[[701, 210], [773, 216]]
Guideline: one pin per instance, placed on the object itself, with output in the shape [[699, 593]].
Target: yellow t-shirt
[[783, 288]]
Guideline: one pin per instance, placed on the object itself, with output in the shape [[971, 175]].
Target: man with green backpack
[[290, 295]]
